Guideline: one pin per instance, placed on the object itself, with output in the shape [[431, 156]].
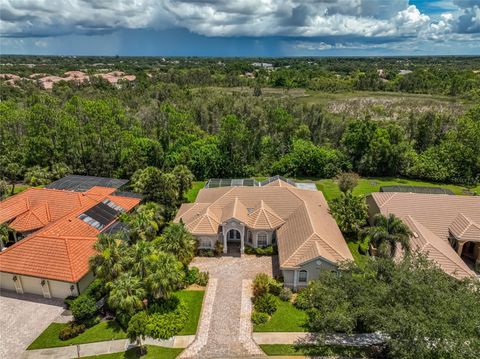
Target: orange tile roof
[[61, 248]]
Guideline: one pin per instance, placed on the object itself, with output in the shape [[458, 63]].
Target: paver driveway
[[225, 326], [22, 319]]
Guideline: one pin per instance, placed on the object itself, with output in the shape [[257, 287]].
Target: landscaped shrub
[[285, 294], [266, 303], [165, 323], [202, 278], [259, 317], [83, 307], [260, 284], [274, 287], [262, 251], [68, 300], [71, 330], [191, 275], [218, 248], [123, 319], [90, 322], [96, 290], [203, 252]]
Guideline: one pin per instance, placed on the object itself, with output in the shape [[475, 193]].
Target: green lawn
[[289, 349], [194, 299], [368, 185], [287, 318], [107, 330], [359, 258], [152, 352], [193, 192]]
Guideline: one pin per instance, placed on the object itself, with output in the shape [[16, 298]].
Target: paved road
[[225, 326], [22, 319]]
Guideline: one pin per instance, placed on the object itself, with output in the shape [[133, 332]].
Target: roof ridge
[[68, 257], [49, 215], [298, 248], [470, 223], [389, 199]]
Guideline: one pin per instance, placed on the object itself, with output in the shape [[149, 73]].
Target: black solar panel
[[84, 183], [128, 194], [416, 189], [102, 213]]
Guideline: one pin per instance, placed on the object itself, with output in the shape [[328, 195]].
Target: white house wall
[[32, 285]]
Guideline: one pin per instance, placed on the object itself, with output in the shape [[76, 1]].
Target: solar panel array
[[84, 183], [100, 215], [229, 182], [416, 189]]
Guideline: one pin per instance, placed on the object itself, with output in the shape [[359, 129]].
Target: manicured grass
[[193, 192], [152, 352], [368, 185], [107, 330], [193, 299], [287, 318], [289, 349], [359, 258]]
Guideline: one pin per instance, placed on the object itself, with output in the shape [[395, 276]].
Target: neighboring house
[[445, 227], [59, 229], [296, 220]]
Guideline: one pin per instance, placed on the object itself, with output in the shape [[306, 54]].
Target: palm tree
[[177, 241], [126, 294], [145, 223], [387, 233], [165, 274], [140, 254], [184, 179], [109, 261]]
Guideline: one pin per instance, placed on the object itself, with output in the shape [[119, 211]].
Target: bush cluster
[[167, 318], [83, 307], [266, 303], [204, 252], [262, 251], [259, 318], [285, 294], [71, 330], [203, 278], [194, 276]]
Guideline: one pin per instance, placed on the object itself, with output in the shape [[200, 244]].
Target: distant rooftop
[[84, 183]]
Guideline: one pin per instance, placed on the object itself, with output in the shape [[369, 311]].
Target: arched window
[[234, 234], [302, 276], [262, 239]]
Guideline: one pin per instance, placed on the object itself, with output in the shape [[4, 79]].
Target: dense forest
[[239, 117]]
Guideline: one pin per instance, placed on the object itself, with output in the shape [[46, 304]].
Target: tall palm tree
[[165, 274], [109, 262], [177, 241], [387, 234], [141, 251], [184, 179], [145, 223], [126, 294]]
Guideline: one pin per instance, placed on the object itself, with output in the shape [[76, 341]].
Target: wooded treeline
[[100, 130]]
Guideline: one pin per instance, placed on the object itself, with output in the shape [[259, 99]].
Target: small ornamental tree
[[350, 212], [137, 329], [347, 181]]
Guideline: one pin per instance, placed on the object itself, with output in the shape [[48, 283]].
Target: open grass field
[[368, 185], [152, 352], [111, 330], [287, 318]]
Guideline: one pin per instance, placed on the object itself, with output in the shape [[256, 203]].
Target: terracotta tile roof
[[433, 217], [308, 231], [61, 249], [235, 210], [206, 223]]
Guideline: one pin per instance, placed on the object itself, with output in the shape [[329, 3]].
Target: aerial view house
[[56, 229], [277, 212], [445, 227]]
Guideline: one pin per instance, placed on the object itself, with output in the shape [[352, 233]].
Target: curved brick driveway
[[225, 327]]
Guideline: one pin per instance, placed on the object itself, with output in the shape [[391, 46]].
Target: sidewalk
[[106, 347], [357, 340]]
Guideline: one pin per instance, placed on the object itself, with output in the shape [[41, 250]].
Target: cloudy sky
[[240, 27]]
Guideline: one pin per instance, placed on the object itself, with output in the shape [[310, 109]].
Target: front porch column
[[460, 248], [242, 241], [225, 242]]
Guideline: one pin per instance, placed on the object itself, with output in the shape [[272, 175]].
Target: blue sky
[[240, 28]]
